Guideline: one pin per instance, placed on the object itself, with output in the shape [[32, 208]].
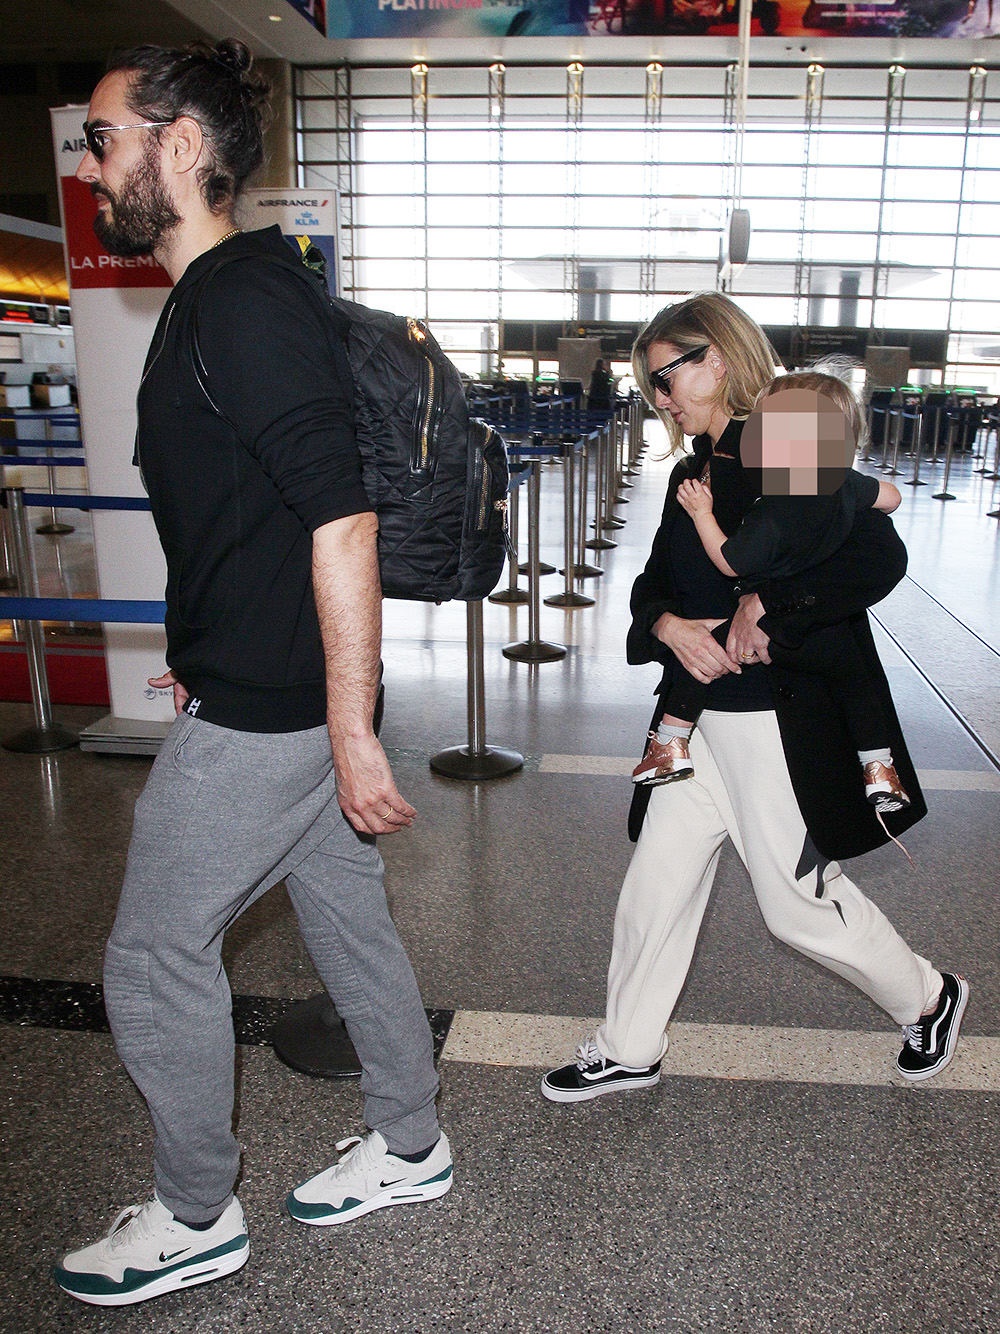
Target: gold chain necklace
[[228, 237]]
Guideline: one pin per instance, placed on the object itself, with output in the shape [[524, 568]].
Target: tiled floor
[[779, 1179]]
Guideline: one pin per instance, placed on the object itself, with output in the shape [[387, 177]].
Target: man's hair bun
[[234, 55]]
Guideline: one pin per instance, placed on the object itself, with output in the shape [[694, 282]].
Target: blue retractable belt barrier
[[122, 610], [31, 461], [40, 443]]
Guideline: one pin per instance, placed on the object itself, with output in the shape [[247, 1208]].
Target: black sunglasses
[[96, 133], [661, 379]]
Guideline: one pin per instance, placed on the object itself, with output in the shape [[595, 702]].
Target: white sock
[[666, 731], [873, 756]]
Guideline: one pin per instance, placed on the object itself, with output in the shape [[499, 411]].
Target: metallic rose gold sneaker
[[883, 788], [664, 763]]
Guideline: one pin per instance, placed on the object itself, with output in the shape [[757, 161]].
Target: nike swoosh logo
[[384, 1184], [173, 1254]]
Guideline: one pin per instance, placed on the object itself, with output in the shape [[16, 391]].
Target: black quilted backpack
[[436, 477]]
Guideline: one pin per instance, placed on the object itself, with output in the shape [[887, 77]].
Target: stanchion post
[[46, 736], [8, 582], [598, 542], [476, 762], [544, 567], [610, 521], [534, 648], [569, 597], [995, 474], [918, 430], [53, 528], [512, 594], [944, 493], [582, 569], [897, 436], [623, 470]]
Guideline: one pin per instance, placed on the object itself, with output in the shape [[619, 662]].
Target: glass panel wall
[[472, 196]]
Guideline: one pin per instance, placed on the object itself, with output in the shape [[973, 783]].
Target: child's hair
[[831, 387]]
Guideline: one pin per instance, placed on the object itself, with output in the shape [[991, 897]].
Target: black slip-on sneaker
[[929, 1044], [592, 1074]]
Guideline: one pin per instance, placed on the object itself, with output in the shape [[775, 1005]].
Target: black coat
[[821, 758]]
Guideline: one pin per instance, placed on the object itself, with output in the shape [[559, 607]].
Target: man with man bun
[[272, 770]]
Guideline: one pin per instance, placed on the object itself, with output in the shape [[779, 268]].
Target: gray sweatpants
[[224, 816]]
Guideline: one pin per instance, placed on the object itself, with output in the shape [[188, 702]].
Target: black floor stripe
[[79, 1007]]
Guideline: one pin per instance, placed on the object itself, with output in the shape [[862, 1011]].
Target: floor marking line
[[724, 1051]]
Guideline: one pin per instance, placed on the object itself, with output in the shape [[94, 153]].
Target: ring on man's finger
[[388, 812]]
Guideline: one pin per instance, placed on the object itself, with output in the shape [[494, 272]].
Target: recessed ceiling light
[[275, 18]]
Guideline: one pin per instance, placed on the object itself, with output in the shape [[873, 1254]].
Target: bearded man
[[271, 771]]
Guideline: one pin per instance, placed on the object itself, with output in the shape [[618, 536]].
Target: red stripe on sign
[[90, 265]]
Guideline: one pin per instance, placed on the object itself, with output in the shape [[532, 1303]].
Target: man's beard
[[140, 215]]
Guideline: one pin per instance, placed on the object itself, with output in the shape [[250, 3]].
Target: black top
[[822, 759], [237, 497], [705, 591], [784, 535]]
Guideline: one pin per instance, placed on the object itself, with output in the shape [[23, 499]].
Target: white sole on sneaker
[[610, 1086], [416, 1194], [658, 782], [914, 1076], [218, 1267]]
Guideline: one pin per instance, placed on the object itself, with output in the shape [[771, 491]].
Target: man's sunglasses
[[96, 134], [661, 379]]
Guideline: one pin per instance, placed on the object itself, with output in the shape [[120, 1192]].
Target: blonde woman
[[801, 438], [775, 767]]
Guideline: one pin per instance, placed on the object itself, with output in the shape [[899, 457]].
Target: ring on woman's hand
[[388, 812], [747, 656]]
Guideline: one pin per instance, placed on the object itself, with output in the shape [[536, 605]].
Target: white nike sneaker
[[148, 1252], [369, 1177]]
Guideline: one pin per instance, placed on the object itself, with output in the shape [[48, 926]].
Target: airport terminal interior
[[534, 195]]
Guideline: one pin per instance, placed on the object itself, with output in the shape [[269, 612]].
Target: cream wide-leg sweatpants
[[741, 788]]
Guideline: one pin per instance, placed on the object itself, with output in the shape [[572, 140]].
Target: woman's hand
[[746, 642], [694, 648], [695, 497]]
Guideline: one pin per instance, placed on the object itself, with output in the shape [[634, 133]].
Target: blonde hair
[[709, 317], [830, 386]]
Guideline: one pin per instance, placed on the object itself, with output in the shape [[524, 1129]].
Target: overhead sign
[[313, 10], [308, 219], [642, 18]]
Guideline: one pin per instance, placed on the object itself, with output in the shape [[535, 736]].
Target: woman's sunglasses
[[661, 379], [96, 134]]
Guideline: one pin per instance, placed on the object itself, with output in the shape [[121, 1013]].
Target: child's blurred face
[[801, 441]]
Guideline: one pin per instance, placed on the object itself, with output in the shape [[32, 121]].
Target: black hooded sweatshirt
[[236, 497]]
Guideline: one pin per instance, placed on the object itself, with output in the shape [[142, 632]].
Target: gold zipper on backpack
[[427, 401]]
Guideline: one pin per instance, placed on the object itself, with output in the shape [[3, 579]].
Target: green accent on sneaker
[[441, 1176], [298, 1209], [133, 1280]]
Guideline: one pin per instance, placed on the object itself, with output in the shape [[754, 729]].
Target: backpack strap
[[197, 360]]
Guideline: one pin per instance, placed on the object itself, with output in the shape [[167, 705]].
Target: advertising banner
[[308, 219], [115, 303], [771, 18], [313, 10]]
